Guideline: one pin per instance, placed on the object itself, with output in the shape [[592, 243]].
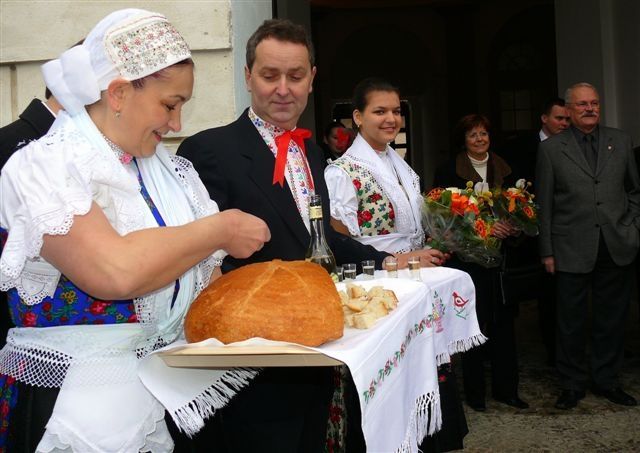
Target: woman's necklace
[[123, 156]]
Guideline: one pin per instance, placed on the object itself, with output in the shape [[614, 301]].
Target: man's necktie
[[591, 152], [298, 135]]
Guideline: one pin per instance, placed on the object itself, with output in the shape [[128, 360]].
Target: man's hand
[[549, 264]]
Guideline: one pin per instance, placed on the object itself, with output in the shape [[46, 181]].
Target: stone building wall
[[32, 32]]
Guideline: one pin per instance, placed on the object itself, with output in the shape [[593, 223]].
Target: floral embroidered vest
[[375, 211]]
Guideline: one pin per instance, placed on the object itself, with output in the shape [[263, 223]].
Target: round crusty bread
[[294, 301]]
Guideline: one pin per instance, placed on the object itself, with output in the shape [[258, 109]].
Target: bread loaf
[[294, 301]]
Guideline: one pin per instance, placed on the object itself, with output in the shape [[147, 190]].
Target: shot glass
[[368, 269], [414, 268], [349, 271], [391, 266], [340, 273]]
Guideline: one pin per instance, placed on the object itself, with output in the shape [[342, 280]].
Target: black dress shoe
[[616, 395], [568, 399], [513, 402], [478, 406]]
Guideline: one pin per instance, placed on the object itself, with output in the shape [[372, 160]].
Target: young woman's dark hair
[[368, 85]]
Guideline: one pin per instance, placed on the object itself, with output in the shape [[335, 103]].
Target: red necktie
[[298, 135]]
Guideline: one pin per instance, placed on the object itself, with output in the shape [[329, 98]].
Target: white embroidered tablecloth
[[453, 309], [394, 364]]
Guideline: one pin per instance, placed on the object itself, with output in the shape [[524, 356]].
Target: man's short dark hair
[[281, 30], [550, 103]]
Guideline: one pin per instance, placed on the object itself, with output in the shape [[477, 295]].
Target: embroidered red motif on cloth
[[298, 135]]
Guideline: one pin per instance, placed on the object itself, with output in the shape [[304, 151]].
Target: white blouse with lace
[[400, 184]]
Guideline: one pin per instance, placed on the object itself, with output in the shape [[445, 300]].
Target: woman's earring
[[117, 115]]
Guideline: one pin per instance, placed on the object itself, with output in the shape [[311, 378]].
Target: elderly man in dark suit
[[589, 195]]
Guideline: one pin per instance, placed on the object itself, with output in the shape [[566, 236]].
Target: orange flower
[[528, 212], [481, 228], [471, 207], [459, 203], [435, 194]]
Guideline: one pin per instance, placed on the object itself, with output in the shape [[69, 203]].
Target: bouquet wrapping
[[516, 206], [460, 221]]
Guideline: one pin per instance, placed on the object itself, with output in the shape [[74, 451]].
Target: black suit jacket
[[33, 123], [236, 166], [521, 155]]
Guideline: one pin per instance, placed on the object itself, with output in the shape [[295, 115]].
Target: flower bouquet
[[460, 221], [516, 206]]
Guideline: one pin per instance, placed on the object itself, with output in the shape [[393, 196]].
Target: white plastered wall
[[32, 32]]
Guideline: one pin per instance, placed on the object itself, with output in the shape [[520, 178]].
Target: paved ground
[[596, 425]]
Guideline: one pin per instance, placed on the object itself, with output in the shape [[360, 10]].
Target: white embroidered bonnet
[[129, 44]]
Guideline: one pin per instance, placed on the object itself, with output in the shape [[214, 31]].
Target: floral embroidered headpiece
[[145, 45], [129, 43]]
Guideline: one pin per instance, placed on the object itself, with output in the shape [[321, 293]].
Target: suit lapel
[[605, 149], [261, 173], [572, 150]]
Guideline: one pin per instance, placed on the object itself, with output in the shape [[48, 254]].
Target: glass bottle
[[318, 251]]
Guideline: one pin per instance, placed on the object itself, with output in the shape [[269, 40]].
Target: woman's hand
[[428, 258], [502, 229], [247, 233]]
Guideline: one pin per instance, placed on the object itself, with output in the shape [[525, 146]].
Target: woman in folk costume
[[95, 284], [375, 198], [375, 195]]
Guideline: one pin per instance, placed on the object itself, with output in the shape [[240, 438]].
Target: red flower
[[392, 213], [375, 197], [10, 380], [29, 319], [97, 307], [357, 184], [46, 306], [366, 215], [4, 409], [335, 414], [133, 318]]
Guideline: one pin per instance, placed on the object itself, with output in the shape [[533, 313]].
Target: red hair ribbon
[[298, 135]]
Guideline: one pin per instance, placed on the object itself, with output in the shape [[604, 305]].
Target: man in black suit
[[242, 166], [589, 195], [521, 154], [32, 124]]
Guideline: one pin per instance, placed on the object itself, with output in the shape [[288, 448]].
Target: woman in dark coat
[[476, 163]]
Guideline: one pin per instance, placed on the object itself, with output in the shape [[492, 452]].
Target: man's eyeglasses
[[582, 105], [476, 135]]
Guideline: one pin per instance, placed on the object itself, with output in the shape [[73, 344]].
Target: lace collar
[[122, 156]]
